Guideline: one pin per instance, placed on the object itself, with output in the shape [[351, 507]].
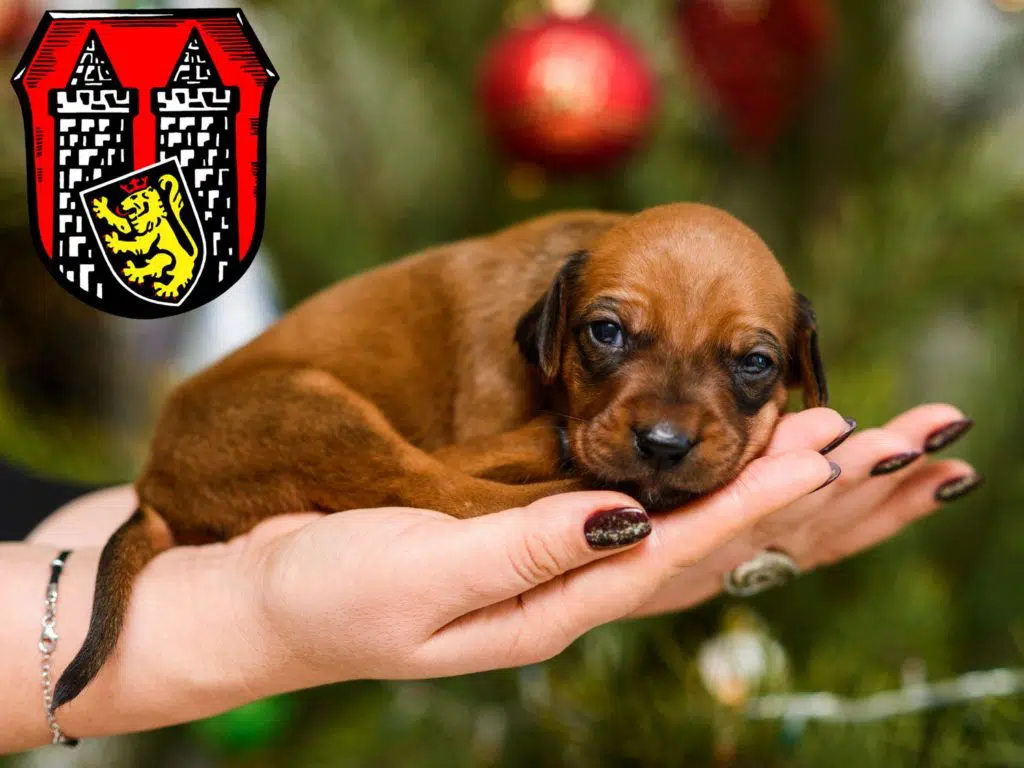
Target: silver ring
[[767, 569]]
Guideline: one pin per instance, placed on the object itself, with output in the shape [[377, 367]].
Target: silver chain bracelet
[[48, 644]]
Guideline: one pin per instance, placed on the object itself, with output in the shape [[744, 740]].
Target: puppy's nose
[[664, 444]]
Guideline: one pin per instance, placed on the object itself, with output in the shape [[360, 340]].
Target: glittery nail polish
[[616, 528], [894, 463], [950, 433], [957, 487]]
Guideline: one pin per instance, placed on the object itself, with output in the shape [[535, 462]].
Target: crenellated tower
[[93, 141], [195, 116]]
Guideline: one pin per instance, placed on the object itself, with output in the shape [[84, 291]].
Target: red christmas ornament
[[566, 94], [759, 59]]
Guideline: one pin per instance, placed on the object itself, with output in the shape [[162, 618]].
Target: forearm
[[186, 651]]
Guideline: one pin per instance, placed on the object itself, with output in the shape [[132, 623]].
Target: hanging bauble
[[566, 93], [741, 661], [758, 60]]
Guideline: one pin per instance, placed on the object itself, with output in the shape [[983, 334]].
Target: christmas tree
[[881, 162]]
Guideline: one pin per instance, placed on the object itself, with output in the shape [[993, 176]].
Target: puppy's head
[[674, 340]]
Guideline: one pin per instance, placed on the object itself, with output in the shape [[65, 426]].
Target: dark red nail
[[950, 433], [957, 487], [851, 425], [894, 463], [836, 472], [616, 528]]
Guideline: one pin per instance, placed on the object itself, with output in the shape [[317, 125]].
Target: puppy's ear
[[805, 367], [541, 330]]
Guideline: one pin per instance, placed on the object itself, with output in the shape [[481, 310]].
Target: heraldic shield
[[146, 148], [148, 216]]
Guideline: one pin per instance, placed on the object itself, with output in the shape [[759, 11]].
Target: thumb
[[494, 557]]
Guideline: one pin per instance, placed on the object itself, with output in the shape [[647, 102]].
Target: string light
[[911, 698]]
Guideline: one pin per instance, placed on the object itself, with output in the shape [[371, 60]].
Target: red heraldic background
[[146, 149]]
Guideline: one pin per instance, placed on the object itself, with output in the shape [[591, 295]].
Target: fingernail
[[943, 436], [957, 487], [836, 472], [894, 463], [616, 528], [851, 425]]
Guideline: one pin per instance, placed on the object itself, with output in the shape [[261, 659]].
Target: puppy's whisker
[[566, 416]]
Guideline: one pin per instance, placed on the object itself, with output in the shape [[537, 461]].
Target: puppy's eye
[[607, 333], [756, 364]]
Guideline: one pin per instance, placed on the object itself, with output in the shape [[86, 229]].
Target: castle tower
[[93, 142], [195, 116]]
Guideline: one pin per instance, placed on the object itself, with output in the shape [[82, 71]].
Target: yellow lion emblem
[[146, 215]]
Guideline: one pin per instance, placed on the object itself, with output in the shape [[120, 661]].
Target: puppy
[[650, 353]]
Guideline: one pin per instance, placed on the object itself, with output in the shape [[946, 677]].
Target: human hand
[[403, 593], [888, 481], [305, 600]]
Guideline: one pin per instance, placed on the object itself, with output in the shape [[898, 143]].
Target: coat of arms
[[146, 140]]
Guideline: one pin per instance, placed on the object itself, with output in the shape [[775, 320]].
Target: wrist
[[185, 652]]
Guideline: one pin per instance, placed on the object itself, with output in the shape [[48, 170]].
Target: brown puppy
[[648, 352]]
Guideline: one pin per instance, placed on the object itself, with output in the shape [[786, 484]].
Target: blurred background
[[877, 146]]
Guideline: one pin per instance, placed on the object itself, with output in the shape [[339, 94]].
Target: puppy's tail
[[141, 538]]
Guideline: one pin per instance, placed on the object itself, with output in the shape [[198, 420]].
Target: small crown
[[135, 185]]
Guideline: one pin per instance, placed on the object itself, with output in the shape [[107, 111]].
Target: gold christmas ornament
[[740, 663]]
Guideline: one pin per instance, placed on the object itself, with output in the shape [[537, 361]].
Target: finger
[[859, 455], [814, 428], [822, 519], [543, 621], [875, 462], [764, 487], [931, 427], [693, 585], [682, 539], [855, 492], [484, 560], [884, 451], [913, 498]]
